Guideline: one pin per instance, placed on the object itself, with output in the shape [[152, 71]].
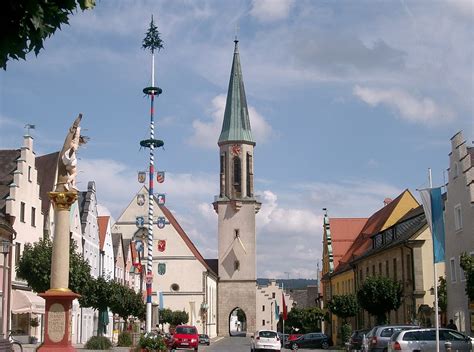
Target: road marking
[[218, 339]]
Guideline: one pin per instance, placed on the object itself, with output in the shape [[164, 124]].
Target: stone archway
[[237, 322]]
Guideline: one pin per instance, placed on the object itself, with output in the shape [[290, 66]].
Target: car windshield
[[203, 336], [267, 334], [186, 330]]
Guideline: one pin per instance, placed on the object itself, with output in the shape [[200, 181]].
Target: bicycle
[[15, 345]]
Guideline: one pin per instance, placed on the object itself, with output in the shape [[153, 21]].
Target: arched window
[[249, 175], [237, 179]]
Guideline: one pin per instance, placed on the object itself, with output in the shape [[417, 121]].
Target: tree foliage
[[152, 39], [179, 317], [166, 315], [467, 264], [379, 295], [24, 25], [34, 266], [442, 295], [344, 306], [305, 320]]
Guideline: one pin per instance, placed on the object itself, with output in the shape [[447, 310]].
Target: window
[[249, 176], [395, 269], [33, 216], [452, 262], [367, 272], [263, 322], [174, 287], [457, 217], [273, 294], [263, 308], [387, 269], [360, 275], [29, 173], [17, 252], [237, 175], [22, 212], [378, 241], [380, 269]]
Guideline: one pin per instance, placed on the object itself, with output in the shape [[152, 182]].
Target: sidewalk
[[32, 348]]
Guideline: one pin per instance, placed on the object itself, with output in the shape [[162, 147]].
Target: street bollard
[[447, 345]]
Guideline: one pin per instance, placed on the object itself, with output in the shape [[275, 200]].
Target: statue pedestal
[[57, 334]]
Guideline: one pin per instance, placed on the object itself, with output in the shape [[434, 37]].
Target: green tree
[[179, 317], [125, 302], [34, 267], [467, 264], [166, 315], [344, 306], [241, 315], [152, 39], [312, 318], [379, 295], [442, 295], [295, 320], [25, 24]]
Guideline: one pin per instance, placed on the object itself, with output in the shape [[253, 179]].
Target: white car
[[265, 340]]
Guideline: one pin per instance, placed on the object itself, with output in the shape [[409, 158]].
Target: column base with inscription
[[57, 334]]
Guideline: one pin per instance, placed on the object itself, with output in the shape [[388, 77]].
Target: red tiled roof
[[373, 225], [185, 237], [343, 233], [102, 221]]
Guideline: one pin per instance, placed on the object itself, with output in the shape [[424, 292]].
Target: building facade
[[459, 230], [270, 305]]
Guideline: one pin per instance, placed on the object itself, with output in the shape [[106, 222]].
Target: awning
[[27, 302]]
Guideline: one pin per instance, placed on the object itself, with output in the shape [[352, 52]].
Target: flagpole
[[284, 303], [435, 279]]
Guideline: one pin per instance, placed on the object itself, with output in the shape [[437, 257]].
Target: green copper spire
[[236, 125]]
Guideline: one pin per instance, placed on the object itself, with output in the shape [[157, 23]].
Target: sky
[[350, 102]]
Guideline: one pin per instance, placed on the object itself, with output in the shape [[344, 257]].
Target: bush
[[98, 343], [346, 331], [124, 339], [152, 342]]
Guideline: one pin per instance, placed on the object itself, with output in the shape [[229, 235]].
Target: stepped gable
[[185, 238], [46, 166], [8, 160], [373, 225]]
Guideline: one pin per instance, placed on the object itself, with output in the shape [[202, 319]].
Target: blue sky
[[350, 102]]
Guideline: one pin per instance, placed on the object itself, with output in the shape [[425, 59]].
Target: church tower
[[236, 207]]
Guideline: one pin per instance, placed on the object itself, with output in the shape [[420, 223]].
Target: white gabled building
[[268, 298], [90, 252], [20, 201], [185, 280]]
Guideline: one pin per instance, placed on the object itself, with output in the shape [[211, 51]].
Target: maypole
[[152, 42]]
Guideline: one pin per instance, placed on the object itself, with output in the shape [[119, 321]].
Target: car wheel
[[325, 345], [294, 347]]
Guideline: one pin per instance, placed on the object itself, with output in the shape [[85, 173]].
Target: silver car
[[379, 336], [424, 340]]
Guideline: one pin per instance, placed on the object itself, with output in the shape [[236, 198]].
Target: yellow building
[[342, 279]]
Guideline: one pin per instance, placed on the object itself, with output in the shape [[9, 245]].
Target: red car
[[185, 337]]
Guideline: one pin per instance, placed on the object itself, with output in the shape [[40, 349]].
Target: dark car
[[204, 339], [311, 340], [283, 338], [356, 338]]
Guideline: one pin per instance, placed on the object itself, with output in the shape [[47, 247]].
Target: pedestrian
[[451, 325]]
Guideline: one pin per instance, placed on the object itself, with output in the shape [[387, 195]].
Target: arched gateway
[[236, 207]]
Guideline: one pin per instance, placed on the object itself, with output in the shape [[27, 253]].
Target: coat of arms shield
[[141, 176], [161, 268], [140, 199], [161, 222], [161, 245]]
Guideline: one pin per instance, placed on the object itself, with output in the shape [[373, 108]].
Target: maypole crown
[[152, 39]]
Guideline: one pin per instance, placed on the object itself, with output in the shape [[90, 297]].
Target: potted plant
[[34, 323]]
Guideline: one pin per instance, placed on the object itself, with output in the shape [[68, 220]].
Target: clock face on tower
[[235, 149]]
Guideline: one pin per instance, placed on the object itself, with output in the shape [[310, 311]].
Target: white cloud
[[271, 10], [409, 108], [206, 133]]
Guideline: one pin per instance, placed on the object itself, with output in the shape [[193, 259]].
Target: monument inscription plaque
[[56, 322]]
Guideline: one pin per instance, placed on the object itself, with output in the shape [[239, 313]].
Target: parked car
[[204, 339], [265, 340], [283, 338], [356, 338], [311, 340], [379, 336], [185, 336], [425, 340]]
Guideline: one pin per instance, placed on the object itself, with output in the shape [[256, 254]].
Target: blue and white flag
[[433, 205], [277, 311], [161, 301]]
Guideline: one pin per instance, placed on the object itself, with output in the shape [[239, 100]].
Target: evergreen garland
[[152, 39]]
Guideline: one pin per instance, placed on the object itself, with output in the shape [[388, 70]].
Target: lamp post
[[5, 250]]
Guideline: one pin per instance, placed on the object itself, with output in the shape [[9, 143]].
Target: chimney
[[387, 201], [28, 142]]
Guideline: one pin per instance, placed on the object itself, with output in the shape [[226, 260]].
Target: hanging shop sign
[[161, 268], [141, 176], [161, 245], [140, 199], [161, 222], [160, 176], [161, 198]]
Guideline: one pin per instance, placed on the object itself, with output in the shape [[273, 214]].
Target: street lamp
[[4, 249]]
